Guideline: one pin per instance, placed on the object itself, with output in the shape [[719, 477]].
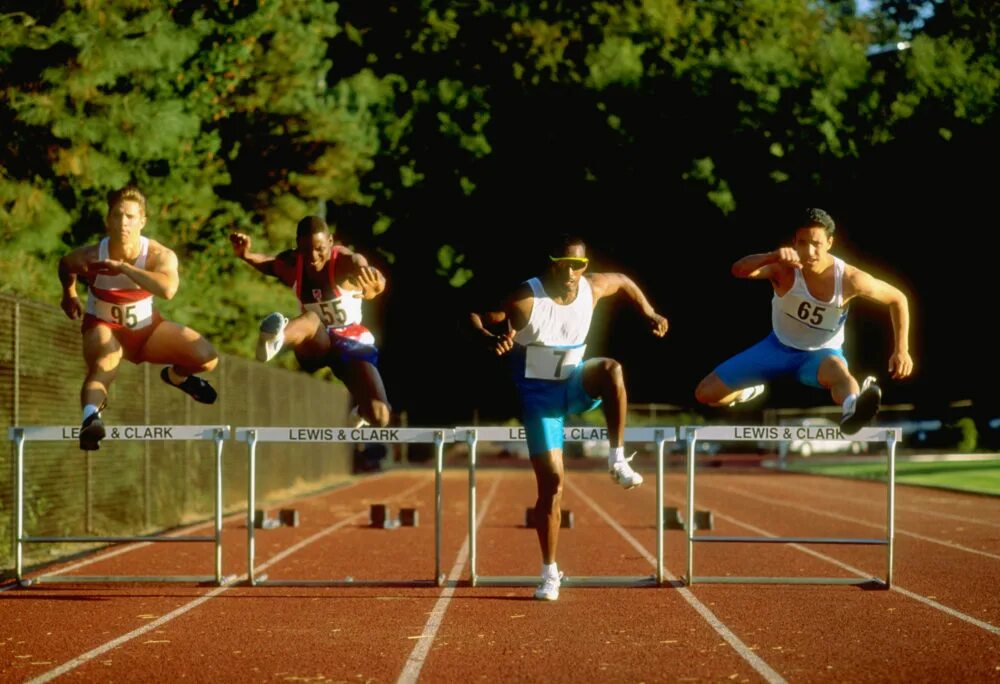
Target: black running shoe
[[199, 389], [92, 432], [865, 408]]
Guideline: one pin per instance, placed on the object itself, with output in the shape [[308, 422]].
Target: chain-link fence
[[129, 488]]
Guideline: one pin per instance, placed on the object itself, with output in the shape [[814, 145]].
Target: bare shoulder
[[604, 284], [160, 256]]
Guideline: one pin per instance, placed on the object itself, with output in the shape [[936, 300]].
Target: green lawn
[[970, 476]]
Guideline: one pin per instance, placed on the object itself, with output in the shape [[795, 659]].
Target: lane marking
[[744, 651], [415, 663]]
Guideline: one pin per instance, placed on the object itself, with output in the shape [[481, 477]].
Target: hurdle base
[[119, 579], [578, 581], [347, 582], [789, 540], [709, 579]]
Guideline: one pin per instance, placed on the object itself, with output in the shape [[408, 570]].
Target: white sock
[[848, 405], [616, 455], [550, 570], [89, 410], [175, 378]]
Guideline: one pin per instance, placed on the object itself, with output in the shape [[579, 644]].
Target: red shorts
[[132, 341]]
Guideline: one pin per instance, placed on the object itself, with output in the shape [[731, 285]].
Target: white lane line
[[857, 521], [415, 663], [744, 651], [850, 568], [115, 643], [101, 555], [871, 503]]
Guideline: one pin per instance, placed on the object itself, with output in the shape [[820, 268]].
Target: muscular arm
[[515, 312], [71, 266], [159, 279], [362, 275], [609, 284], [862, 284], [280, 267], [770, 265]]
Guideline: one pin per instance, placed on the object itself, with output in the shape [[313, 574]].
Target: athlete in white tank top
[[802, 321], [545, 324], [812, 290]]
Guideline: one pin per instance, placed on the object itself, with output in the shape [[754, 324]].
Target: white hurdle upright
[[341, 435], [128, 433], [658, 435], [784, 433]]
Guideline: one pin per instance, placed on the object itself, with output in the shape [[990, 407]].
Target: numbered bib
[[336, 313], [131, 315], [552, 363]]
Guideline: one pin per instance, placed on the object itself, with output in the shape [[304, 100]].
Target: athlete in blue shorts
[[544, 327], [812, 289]]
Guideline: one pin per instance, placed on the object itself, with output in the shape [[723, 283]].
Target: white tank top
[[118, 299], [803, 322], [555, 333]]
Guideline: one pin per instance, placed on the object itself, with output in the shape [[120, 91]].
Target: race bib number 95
[[131, 315], [552, 363]]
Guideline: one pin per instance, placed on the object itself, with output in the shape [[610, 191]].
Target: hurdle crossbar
[[124, 433], [343, 435], [658, 435], [786, 433]]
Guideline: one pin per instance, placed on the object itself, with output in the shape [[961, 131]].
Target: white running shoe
[[621, 472], [863, 409], [548, 590], [356, 418], [271, 337], [748, 394]]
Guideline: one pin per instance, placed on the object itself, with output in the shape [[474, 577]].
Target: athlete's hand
[[900, 365], [789, 257], [658, 324], [71, 305], [369, 283], [241, 243], [503, 343]]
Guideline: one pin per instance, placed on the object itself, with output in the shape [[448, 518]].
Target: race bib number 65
[[552, 363]]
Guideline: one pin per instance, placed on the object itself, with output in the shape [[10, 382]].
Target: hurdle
[[126, 433], [343, 435], [473, 435], [781, 433]]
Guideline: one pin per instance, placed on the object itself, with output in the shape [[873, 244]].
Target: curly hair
[[817, 218]]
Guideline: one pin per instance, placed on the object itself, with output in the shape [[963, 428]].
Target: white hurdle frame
[[128, 433], [783, 433], [657, 435], [343, 435]]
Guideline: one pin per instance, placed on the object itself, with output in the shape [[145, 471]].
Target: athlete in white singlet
[[125, 271], [330, 282], [812, 289], [544, 326]]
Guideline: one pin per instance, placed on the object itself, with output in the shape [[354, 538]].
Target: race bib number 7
[[131, 315], [552, 363]]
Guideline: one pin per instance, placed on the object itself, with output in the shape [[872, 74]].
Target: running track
[[940, 622]]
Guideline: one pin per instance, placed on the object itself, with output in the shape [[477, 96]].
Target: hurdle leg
[[438, 468], [660, 442], [219, 437], [251, 500], [19, 507], [891, 503], [471, 440], [689, 521]]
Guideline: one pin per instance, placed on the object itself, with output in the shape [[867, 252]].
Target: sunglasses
[[576, 263]]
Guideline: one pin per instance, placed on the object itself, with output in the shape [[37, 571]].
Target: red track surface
[[941, 621]]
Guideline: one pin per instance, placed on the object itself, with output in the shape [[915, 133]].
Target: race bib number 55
[[552, 363]]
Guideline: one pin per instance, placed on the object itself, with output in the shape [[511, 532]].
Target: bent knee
[[381, 413]]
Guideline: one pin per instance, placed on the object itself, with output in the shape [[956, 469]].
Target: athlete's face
[[316, 249], [813, 246], [125, 221], [566, 269]]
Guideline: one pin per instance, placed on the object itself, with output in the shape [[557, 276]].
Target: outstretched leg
[[712, 391]]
